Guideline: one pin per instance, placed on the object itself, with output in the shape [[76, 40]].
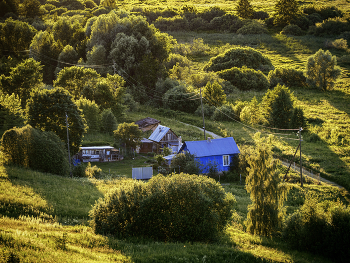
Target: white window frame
[[226, 160]]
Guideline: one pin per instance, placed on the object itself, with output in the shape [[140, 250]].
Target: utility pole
[[200, 90], [67, 125], [301, 164]]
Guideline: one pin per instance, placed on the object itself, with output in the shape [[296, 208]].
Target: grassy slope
[[42, 216]]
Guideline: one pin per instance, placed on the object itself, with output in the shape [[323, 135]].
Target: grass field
[[44, 218]]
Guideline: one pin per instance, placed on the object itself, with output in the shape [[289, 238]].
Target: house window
[[226, 160]]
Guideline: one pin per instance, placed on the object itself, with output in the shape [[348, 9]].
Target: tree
[[269, 99], [322, 70], [286, 11], [15, 36], [67, 57], [9, 6], [281, 110], [129, 134], [297, 119], [214, 94], [75, 79], [185, 163], [244, 9], [251, 113], [45, 49], [31, 8], [108, 121], [47, 111], [24, 78], [91, 113], [265, 188], [178, 98], [11, 112]]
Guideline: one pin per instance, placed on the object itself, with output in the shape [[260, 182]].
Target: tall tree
[[24, 78], [281, 110], [214, 94], [45, 49], [31, 8], [91, 113], [244, 9], [286, 11], [266, 190], [322, 70], [9, 6], [47, 111], [15, 36]]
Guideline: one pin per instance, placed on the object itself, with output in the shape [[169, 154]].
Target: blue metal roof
[[158, 133], [211, 147]]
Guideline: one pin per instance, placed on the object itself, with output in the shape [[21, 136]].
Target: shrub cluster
[[239, 57], [324, 12], [293, 30], [179, 207], [320, 228], [332, 26], [287, 76], [252, 29], [35, 149], [245, 78]]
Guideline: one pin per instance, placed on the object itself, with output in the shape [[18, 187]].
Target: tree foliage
[[9, 6], [245, 78], [180, 207], [239, 57], [108, 121], [47, 110], [15, 36], [23, 79], [35, 149], [281, 110], [11, 112], [266, 191], [322, 70], [129, 134], [286, 11], [185, 163], [91, 112], [178, 98], [244, 9], [214, 94]]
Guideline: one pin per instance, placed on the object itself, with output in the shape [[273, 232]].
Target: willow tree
[[266, 190]]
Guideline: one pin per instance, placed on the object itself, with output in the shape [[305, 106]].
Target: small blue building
[[215, 151]]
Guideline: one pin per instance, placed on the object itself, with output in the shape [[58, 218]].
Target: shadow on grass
[[47, 196]]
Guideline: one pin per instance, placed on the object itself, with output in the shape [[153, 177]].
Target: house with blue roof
[[215, 151]]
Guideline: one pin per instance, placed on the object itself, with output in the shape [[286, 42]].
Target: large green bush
[[287, 76], [320, 227], [35, 149], [239, 57], [245, 78], [179, 207]]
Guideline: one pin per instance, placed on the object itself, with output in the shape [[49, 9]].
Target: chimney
[[209, 140]]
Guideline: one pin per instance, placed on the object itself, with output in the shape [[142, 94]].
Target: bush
[[252, 29], [35, 149], [178, 99], [185, 163], [223, 113], [262, 15], [324, 12], [287, 76], [332, 26], [207, 110], [239, 57], [93, 171], [341, 44], [180, 207], [211, 13], [176, 23], [79, 170], [293, 30], [320, 227], [245, 78]]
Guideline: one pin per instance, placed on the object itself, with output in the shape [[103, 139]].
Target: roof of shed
[[96, 147], [146, 122], [212, 147], [159, 133]]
